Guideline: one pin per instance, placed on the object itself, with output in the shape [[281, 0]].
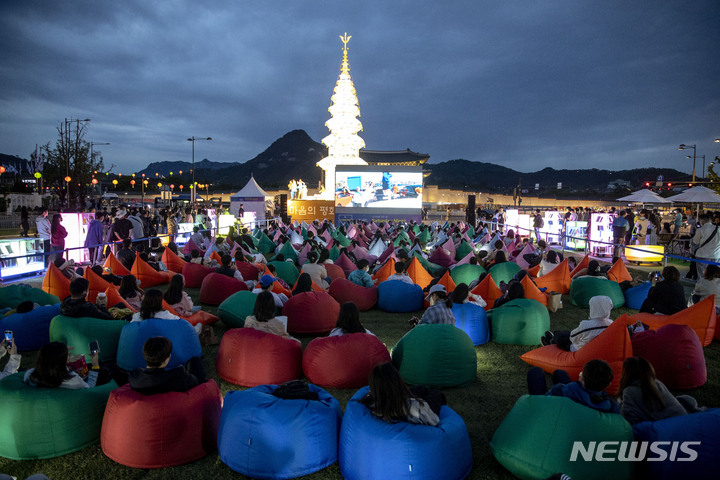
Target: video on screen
[[380, 189]]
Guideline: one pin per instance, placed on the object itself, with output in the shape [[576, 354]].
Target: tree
[[713, 177]]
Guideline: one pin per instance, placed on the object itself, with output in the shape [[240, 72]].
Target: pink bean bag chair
[[311, 312], [442, 257], [195, 274], [346, 291], [346, 264], [216, 287]]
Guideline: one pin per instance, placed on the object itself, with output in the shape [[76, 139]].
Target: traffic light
[[647, 184], [669, 184]]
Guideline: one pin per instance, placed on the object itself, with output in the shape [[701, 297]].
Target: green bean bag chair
[[424, 236], [462, 250], [466, 273], [38, 422], [504, 272], [436, 356], [584, 288], [519, 322], [236, 308], [536, 439], [11, 295], [288, 251], [265, 245], [334, 253], [286, 270], [78, 332]]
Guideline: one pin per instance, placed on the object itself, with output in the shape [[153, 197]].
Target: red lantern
[[132, 182]]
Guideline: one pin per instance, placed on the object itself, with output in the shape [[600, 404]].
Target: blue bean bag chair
[[536, 439], [263, 436], [184, 338], [79, 332], [700, 427], [635, 296], [11, 295], [582, 289], [371, 448], [397, 296], [519, 322], [31, 330], [472, 319]]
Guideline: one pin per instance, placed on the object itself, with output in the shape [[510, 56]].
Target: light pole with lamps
[[193, 139], [69, 122], [703, 159], [694, 147]]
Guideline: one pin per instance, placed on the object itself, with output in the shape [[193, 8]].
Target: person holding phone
[[51, 370], [8, 346]]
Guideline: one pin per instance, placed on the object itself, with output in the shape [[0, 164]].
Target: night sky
[[529, 85]]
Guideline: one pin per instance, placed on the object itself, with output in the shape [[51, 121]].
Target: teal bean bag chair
[[265, 245], [287, 271], [397, 296], [334, 253], [31, 330], [11, 295], [288, 251], [184, 338], [463, 250], [436, 356], [236, 308], [466, 273], [78, 332], [504, 272], [584, 288], [536, 439], [38, 422], [519, 322]]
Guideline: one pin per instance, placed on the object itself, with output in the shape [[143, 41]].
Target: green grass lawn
[[483, 405]]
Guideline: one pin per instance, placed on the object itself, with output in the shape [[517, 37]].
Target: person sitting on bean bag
[[593, 270], [178, 298], [348, 321], [67, 268], [666, 296], [548, 263], [462, 294], [195, 257], [51, 369], [391, 400], [279, 280], [107, 275], [400, 274], [361, 276], [265, 285], [126, 254], [600, 308], [13, 363], [229, 269], [589, 390], [76, 306], [490, 258], [155, 378], [708, 284], [151, 307], [304, 284], [130, 291], [263, 317], [317, 272], [514, 291], [440, 309]]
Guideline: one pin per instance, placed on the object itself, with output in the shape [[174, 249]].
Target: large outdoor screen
[[379, 187]]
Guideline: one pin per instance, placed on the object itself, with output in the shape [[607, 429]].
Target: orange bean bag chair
[[115, 265], [385, 271], [533, 271], [277, 286], [311, 312], [173, 262], [584, 263], [613, 345], [114, 297], [418, 274], [162, 430], [216, 287], [532, 291], [346, 291], [148, 276], [700, 317], [334, 271], [205, 318], [488, 290], [216, 256], [55, 283], [195, 273], [250, 357], [97, 285], [619, 273], [558, 280], [343, 361], [447, 282]]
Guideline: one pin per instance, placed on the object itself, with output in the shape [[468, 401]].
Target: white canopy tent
[[644, 196], [697, 194], [252, 198]]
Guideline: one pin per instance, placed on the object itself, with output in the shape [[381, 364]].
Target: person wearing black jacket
[[156, 378], [666, 296], [76, 304]]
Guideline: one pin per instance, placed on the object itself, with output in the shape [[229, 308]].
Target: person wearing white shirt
[[44, 230], [14, 363], [265, 285]]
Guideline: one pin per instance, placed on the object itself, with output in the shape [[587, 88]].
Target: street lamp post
[[92, 144], [193, 195], [703, 167], [694, 147]]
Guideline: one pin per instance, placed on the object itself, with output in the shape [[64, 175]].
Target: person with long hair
[[440, 309], [666, 296], [348, 321], [304, 284], [514, 291], [130, 291], [178, 298], [51, 369], [317, 272], [263, 317], [643, 396], [708, 284], [151, 307], [57, 236], [462, 294]]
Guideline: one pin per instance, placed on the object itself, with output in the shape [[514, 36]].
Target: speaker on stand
[[470, 211]]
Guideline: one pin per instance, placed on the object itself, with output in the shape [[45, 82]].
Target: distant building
[[619, 183], [393, 157]]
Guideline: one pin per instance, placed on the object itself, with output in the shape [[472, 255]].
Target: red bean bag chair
[[442, 257], [195, 273], [115, 265], [612, 345], [676, 354], [248, 270], [311, 312], [418, 274], [619, 273], [346, 264], [343, 361], [113, 298], [346, 291], [700, 317], [488, 290], [216, 287], [558, 280], [55, 283], [385, 271], [97, 285], [584, 263], [249, 357], [203, 317], [532, 291], [148, 276], [161, 430], [334, 271], [172, 261]]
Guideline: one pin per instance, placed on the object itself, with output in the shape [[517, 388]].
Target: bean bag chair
[[184, 338], [236, 308], [265, 245], [558, 280], [216, 287], [619, 273], [700, 427], [346, 264], [334, 272], [463, 250], [370, 448], [466, 273], [311, 312], [361, 253], [504, 272], [215, 256], [488, 290], [287, 271], [700, 317], [264, 436], [78, 332], [385, 271], [12, 295], [343, 361], [248, 270], [115, 265], [432, 268], [584, 263], [532, 291], [418, 274], [449, 245], [519, 322], [442, 257], [635, 296], [31, 330], [536, 439], [346, 291], [288, 251], [148, 276], [114, 298], [97, 285], [582, 289], [388, 253], [190, 245], [520, 259], [161, 430], [472, 319], [201, 316], [315, 287], [250, 357], [398, 296], [335, 251], [436, 356], [194, 274], [533, 271], [676, 354], [172, 261], [48, 422], [612, 345], [54, 283]]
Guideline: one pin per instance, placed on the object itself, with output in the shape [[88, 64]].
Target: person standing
[[708, 239], [538, 223], [678, 222], [44, 232], [620, 227], [24, 225], [57, 236], [94, 237]]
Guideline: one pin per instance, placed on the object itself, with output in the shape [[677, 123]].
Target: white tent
[[697, 194], [644, 196], [252, 197]]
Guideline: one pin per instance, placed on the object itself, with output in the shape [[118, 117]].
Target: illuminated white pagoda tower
[[343, 143]]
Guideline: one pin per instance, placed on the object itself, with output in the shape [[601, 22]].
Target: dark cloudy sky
[[527, 84]]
